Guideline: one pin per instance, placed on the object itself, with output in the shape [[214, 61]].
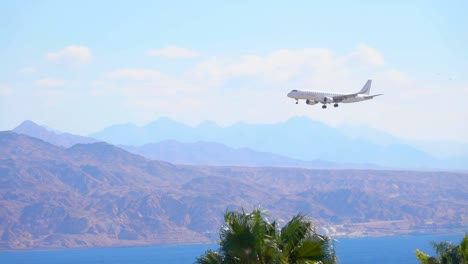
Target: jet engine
[[328, 99], [310, 102]]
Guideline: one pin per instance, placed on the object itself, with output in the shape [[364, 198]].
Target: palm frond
[[210, 257], [252, 238], [294, 232]]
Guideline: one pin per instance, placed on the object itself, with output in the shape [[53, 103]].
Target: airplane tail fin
[[366, 88]]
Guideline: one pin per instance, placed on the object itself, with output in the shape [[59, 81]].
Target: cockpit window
[[294, 91]]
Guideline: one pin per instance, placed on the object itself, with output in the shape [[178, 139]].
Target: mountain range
[[198, 153], [298, 142], [298, 138], [98, 194], [216, 154]]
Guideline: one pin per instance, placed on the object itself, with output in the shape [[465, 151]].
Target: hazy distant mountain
[[60, 139], [216, 154], [162, 129], [297, 138], [199, 153], [100, 195], [439, 149], [298, 142]]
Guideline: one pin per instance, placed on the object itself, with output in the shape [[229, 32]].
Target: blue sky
[[81, 66]]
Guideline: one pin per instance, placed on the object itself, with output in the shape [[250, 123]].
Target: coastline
[[356, 235]]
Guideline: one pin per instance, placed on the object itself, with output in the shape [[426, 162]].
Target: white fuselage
[[314, 97], [325, 97]]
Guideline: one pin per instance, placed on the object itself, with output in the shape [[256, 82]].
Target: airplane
[[314, 97]]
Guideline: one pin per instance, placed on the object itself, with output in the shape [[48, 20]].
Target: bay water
[[383, 250]]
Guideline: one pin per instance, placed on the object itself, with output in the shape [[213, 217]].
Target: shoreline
[[413, 234]]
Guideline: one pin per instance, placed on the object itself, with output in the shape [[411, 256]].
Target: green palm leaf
[[210, 257], [251, 238]]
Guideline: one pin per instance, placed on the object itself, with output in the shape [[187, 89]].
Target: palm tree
[[447, 253], [210, 257], [464, 248], [251, 238]]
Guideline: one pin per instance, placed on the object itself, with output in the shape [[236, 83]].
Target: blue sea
[[381, 250]]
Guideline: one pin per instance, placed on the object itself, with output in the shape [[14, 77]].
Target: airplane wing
[[339, 98]]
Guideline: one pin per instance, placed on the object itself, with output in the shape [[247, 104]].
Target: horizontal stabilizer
[[372, 96]]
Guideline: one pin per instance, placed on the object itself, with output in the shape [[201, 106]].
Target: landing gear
[[335, 105], [324, 106], [297, 101]]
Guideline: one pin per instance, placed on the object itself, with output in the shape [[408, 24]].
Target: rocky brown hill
[[100, 195]]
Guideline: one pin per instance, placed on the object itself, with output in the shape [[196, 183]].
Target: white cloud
[[138, 82], [134, 74], [27, 70], [5, 89], [279, 67], [227, 90], [73, 55], [173, 52], [303, 68], [253, 88], [49, 82], [367, 56], [395, 76]]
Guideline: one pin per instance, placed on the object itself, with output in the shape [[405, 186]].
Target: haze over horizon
[[66, 67]]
